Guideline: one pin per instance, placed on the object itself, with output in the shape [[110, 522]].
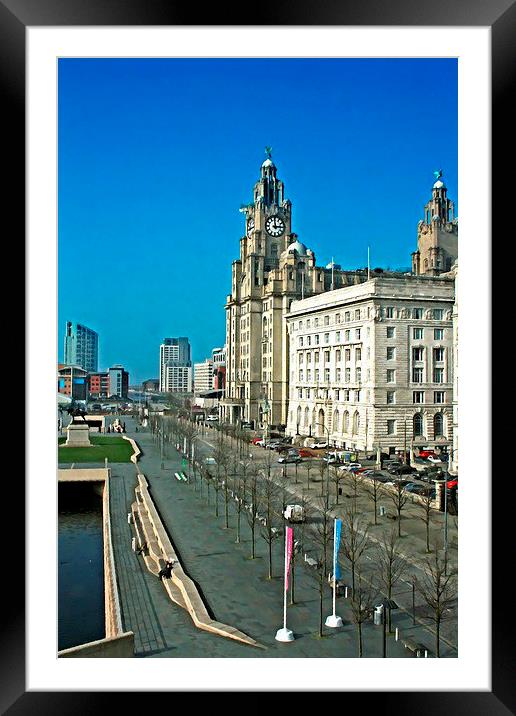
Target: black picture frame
[[500, 16]]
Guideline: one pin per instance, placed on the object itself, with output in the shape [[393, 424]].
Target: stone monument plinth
[[77, 435]]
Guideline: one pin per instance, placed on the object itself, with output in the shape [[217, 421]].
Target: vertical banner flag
[[338, 527], [290, 539]]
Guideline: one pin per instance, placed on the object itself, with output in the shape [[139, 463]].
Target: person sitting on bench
[[166, 571]]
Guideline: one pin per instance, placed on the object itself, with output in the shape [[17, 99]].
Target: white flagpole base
[[284, 634], [333, 621]]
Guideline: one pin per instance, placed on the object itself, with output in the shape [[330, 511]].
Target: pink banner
[[290, 541]]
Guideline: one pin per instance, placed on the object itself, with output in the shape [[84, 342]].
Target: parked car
[[210, 461], [273, 444], [383, 456], [257, 441], [415, 488], [452, 483], [427, 453], [434, 459], [318, 444], [289, 458]]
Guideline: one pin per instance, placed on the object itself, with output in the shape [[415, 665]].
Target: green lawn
[[115, 448]]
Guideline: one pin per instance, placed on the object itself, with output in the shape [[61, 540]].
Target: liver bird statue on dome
[[438, 174], [268, 152]]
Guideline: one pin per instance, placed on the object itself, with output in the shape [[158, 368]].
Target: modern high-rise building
[[203, 376], [175, 366], [118, 381], [81, 347]]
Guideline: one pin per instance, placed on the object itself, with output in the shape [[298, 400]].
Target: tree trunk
[[359, 626], [437, 638], [226, 514], [270, 555]]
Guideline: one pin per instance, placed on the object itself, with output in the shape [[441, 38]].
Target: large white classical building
[[371, 366]]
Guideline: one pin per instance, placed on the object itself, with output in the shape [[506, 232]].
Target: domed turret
[[298, 247]]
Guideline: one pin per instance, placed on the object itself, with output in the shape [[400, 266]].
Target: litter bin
[[377, 616], [382, 510]]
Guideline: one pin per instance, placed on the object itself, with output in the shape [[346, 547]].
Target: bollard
[[133, 544], [426, 654], [345, 592], [397, 633], [129, 518]]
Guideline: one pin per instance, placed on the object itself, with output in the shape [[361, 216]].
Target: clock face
[[275, 225], [250, 226]]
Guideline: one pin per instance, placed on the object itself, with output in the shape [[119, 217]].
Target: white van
[[294, 513]]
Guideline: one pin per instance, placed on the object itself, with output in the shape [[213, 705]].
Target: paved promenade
[[235, 588]]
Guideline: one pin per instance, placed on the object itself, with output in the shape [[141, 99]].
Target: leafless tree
[[318, 574], [224, 457], [399, 498], [362, 601], [247, 471], [390, 566], [252, 509], [374, 490], [425, 503], [269, 531], [308, 465], [337, 477], [355, 539], [438, 588]]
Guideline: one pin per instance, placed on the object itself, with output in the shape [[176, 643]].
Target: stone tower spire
[[437, 233]]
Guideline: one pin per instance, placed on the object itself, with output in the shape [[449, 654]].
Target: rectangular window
[[357, 314], [300, 324], [326, 320], [347, 354], [317, 358], [418, 353], [337, 395], [308, 340], [418, 396], [438, 375], [438, 334], [391, 397], [347, 316], [327, 374], [301, 359], [439, 396], [317, 339], [357, 396], [391, 353], [326, 337], [389, 312], [348, 374], [300, 393], [358, 354], [358, 374], [337, 318], [418, 334], [316, 375], [337, 336], [308, 323], [438, 314], [391, 427], [438, 355], [391, 332], [316, 322], [357, 334], [346, 396], [346, 335], [417, 375], [338, 375], [301, 377], [309, 374], [326, 356], [417, 313], [337, 356], [391, 376], [300, 340], [308, 358]]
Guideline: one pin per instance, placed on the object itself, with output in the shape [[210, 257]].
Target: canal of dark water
[[81, 565]]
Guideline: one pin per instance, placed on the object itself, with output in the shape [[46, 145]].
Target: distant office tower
[[175, 366], [218, 356], [81, 347], [203, 376], [118, 381]]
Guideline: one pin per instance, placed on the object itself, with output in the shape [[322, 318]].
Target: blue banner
[[338, 527]]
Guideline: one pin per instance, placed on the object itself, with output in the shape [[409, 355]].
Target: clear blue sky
[[156, 157]]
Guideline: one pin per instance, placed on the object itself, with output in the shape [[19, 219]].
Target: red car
[[452, 483], [305, 453], [427, 453]]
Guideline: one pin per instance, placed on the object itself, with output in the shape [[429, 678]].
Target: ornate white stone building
[[274, 268], [371, 365]]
